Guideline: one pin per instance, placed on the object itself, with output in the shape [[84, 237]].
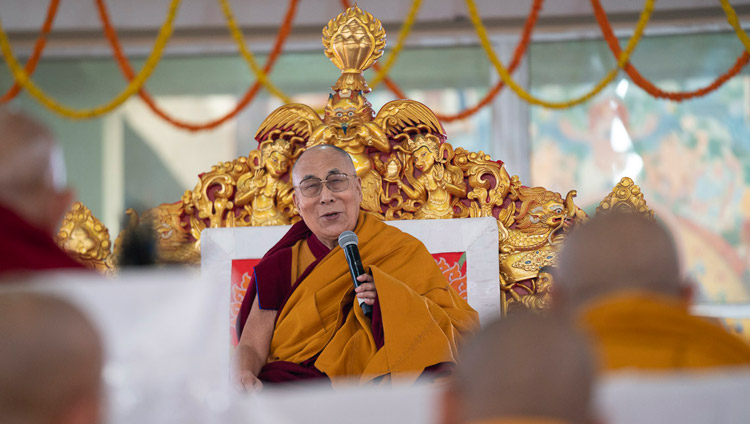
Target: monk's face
[[330, 212]]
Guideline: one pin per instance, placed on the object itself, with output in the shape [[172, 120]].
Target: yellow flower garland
[[248, 56], [735, 23], [405, 29], [25, 81], [505, 75]]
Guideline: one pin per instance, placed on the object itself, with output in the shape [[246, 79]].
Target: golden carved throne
[[408, 171]]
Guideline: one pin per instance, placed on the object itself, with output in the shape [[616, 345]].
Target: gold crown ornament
[[353, 41], [424, 140], [276, 145]]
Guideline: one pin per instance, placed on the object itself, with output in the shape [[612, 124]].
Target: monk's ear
[[295, 200], [359, 188]]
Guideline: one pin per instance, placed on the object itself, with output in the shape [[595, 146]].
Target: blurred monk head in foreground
[[619, 278], [50, 362], [615, 253], [32, 172], [525, 368], [33, 197]]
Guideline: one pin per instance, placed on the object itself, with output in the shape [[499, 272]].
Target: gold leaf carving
[[85, 238], [625, 197]]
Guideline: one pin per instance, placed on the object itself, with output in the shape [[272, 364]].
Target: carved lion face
[[348, 112], [550, 213], [345, 114]]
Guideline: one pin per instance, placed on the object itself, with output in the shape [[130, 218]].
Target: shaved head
[[50, 360], [32, 171], [616, 252], [324, 150], [27, 154], [524, 366]]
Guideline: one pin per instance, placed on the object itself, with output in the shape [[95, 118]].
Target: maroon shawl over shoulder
[[24, 247]]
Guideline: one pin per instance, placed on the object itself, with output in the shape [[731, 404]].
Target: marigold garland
[[36, 53], [505, 76], [405, 30], [382, 71], [648, 86], [735, 23], [22, 75], [25, 81], [248, 55], [518, 54], [249, 95], [376, 66]]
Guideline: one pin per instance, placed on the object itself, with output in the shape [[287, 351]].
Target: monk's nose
[[326, 195]]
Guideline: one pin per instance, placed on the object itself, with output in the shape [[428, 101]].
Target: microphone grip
[[356, 269]]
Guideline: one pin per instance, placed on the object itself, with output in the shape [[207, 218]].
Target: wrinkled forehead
[[321, 163]]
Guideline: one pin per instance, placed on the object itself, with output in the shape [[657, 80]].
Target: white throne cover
[[223, 250]]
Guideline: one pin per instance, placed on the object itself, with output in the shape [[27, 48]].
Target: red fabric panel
[[242, 276], [453, 266]]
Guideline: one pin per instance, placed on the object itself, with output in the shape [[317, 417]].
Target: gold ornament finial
[[626, 196], [353, 41]]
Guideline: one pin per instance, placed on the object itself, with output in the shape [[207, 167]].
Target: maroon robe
[[24, 247]]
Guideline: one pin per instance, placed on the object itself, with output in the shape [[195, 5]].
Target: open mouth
[[330, 215]]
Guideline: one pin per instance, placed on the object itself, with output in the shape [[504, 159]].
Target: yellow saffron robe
[[648, 331], [423, 317]]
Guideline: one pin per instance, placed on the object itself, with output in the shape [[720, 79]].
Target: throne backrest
[[464, 249], [407, 169]]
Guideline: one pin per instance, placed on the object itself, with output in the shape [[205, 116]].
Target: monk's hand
[[366, 290], [246, 381]]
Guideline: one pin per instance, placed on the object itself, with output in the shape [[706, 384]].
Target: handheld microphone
[[348, 242]]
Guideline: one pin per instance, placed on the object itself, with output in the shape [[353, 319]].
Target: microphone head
[[348, 237]]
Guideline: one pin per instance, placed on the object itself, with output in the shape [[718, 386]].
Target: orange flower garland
[[518, 54], [127, 70], [386, 79], [648, 86], [39, 45], [285, 29]]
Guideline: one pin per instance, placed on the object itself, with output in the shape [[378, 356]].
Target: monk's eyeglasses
[[312, 187]]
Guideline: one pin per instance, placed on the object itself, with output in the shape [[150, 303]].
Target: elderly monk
[[50, 362], [33, 197], [524, 369], [301, 318], [619, 275]]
